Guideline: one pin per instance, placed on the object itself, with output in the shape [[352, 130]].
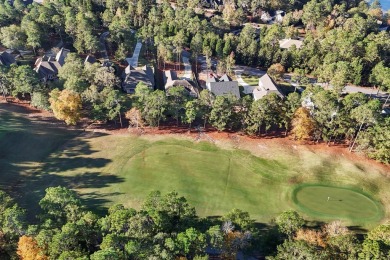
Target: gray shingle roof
[[133, 76], [223, 86], [47, 67], [171, 79], [266, 86]]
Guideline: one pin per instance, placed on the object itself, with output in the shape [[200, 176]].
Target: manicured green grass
[[337, 202], [107, 169], [214, 180], [251, 80], [24, 147]]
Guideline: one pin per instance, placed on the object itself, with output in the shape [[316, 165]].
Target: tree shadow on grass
[[36, 154]]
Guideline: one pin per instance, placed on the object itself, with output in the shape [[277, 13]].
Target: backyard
[[250, 80]]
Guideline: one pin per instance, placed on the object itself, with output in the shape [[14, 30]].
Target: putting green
[[336, 202]]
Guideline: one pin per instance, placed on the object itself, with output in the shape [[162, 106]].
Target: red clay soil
[[338, 150]]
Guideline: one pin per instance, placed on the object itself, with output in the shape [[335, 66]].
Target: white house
[[266, 86]]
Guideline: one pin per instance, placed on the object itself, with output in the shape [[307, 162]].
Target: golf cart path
[[133, 61]]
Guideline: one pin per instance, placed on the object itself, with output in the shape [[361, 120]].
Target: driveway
[[238, 70], [133, 61], [187, 66], [103, 50]]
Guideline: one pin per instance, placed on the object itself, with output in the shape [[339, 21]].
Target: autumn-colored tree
[[135, 117], [311, 236], [303, 124], [66, 105], [276, 71], [28, 249]]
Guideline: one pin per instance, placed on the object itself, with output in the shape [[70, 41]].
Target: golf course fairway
[[336, 202], [263, 177]]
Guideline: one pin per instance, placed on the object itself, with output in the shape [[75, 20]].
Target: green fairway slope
[[106, 169], [214, 180]]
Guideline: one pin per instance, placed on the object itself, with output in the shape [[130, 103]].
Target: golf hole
[[336, 202]]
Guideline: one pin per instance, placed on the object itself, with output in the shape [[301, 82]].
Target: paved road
[[103, 50], [348, 89], [375, 93], [133, 61], [187, 66]]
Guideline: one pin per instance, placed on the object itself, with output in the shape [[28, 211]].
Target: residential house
[[279, 15], [47, 66], [265, 17], [266, 86], [222, 86], [171, 79], [90, 59], [26, 2], [6, 59], [288, 43], [212, 3], [131, 77]]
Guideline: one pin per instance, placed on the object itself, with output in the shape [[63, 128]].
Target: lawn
[[251, 80], [108, 169]]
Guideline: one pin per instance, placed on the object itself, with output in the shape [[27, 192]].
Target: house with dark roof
[[171, 80], [6, 59], [131, 77], [222, 86], [90, 59], [25, 2], [266, 86], [212, 3], [47, 66]]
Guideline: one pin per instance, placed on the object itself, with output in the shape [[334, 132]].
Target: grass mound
[[336, 202]]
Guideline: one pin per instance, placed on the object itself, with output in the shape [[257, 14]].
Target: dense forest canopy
[[167, 227], [342, 44]]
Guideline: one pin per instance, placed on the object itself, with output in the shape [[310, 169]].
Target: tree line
[[342, 45], [342, 40], [317, 115], [167, 227]]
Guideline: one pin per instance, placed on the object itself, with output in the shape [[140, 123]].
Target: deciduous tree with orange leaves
[[303, 124], [28, 249]]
